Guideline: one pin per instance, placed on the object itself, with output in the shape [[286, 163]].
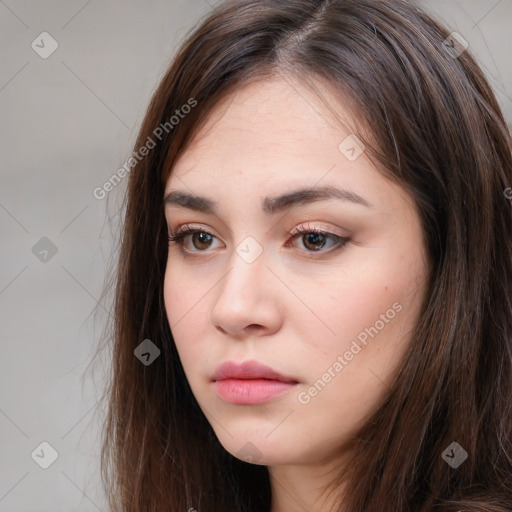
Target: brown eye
[[203, 240], [314, 241]]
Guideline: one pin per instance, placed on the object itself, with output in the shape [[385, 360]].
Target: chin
[[256, 449]]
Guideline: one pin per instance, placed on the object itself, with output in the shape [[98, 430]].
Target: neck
[[303, 488]]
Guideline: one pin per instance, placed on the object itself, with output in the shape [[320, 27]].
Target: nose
[[247, 301]]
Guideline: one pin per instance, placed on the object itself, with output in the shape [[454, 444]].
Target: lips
[[249, 370], [250, 383]]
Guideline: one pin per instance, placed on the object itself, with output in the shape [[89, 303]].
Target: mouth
[[250, 383]]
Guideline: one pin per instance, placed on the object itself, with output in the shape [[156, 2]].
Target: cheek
[[174, 289], [347, 303], [370, 347], [185, 311], [373, 306]]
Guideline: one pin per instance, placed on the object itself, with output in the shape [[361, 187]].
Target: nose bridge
[[243, 297], [246, 300], [247, 268]]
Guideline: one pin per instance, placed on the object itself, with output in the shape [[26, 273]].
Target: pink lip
[[250, 382]]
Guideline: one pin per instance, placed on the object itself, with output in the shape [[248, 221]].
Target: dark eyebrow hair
[[270, 205]]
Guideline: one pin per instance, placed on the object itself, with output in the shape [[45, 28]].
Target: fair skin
[[301, 303]]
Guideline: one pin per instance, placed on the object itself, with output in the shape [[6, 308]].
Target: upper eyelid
[[186, 229], [300, 228]]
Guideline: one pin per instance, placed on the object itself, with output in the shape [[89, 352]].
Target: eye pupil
[[315, 238], [204, 238]]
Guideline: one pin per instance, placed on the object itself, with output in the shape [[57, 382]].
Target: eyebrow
[[270, 205]]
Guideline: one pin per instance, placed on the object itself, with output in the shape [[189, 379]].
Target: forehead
[[271, 138], [282, 118]]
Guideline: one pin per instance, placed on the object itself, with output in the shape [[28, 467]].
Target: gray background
[[68, 123]]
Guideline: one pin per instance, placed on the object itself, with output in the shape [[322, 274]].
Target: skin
[[293, 308]]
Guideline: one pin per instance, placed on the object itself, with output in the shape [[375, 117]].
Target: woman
[[313, 302]]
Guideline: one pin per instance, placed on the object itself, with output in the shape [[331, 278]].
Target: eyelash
[[301, 230]]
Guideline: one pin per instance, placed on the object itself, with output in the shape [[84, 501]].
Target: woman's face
[[332, 313]]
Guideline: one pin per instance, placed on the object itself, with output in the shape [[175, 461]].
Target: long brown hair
[[430, 121]]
